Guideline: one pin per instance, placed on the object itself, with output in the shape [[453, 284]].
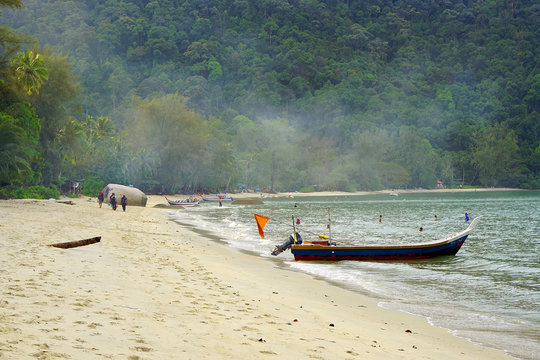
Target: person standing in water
[[380, 219], [123, 201], [466, 217], [435, 217]]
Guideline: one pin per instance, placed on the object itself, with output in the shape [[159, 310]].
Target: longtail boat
[[183, 203], [217, 197], [329, 251]]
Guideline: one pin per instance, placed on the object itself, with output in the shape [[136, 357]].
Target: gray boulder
[[135, 196]]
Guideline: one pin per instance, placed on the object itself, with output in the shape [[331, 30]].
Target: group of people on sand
[[112, 200]]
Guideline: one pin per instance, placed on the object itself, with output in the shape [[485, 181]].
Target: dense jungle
[[283, 95]]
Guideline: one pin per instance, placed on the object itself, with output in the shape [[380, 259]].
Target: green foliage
[[11, 3], [394, 175], [56, 107], [495, 157], [30, 70], [16, 152], [279, 94], [31, 192], [167, 142], [92, 185]]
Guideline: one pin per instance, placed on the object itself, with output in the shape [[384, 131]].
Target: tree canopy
[[279, 94]]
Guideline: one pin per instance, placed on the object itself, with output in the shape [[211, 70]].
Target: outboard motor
[[287, 244]]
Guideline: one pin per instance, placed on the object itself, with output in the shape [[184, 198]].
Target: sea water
[[488, 293]]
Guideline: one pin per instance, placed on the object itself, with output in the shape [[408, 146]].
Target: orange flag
[[261, 223]]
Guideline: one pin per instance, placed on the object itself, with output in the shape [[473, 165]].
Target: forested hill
[[344, 95]]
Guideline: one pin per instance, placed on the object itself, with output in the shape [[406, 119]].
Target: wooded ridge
[[286, 95]]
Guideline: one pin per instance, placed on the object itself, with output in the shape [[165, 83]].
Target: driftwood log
[[72, 244], [67, 202]]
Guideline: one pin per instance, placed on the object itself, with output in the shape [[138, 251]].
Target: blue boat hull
[[393, 252]]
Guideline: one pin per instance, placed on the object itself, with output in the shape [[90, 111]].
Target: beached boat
[[329, 251], [184, 203], [217, 197]]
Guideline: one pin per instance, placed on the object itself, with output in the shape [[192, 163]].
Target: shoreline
[[375, 192], [155, 289]]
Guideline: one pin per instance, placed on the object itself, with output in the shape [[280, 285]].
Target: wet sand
[[152, 289]]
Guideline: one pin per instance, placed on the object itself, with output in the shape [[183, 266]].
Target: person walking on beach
[[100, 198], [113, 201], [123, 201]]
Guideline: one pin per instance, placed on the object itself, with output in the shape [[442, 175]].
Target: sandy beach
[[152, 289]]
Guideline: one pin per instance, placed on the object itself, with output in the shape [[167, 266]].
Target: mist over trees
[[286, 95]]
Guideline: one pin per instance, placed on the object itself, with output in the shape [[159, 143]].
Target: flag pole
[[329, 227], [294, 229]]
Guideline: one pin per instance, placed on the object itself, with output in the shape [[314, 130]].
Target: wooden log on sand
[[72, 244], [67, 202]]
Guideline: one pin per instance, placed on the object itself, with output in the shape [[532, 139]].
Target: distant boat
[[184, 203], [394, 194], [217, 197], [329, 251]]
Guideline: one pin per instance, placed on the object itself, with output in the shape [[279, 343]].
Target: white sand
[[154, 290]]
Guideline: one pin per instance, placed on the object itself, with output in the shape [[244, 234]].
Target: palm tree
[[11, 3], [103, 126], [30, 70]]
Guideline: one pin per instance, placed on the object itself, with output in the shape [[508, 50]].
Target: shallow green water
[[489, 292]]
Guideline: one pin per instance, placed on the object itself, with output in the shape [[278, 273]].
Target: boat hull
[[393, 252], [214, 199], [182, 203]]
